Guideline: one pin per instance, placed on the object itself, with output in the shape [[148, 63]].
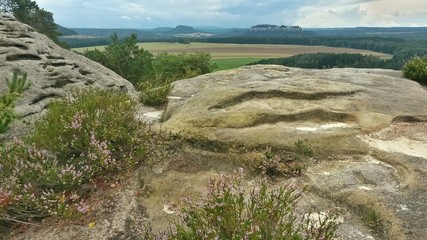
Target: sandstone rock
[[276, 105], [368, 127], [52, 70]]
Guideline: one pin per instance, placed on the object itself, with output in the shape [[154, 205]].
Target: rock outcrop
[[368, 127], [52, 70], [275, 105]]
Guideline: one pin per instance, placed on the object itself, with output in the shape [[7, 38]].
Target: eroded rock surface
[[276, 105], [52, 70], [368, 128]]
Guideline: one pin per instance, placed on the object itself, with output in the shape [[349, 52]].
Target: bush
[[416, 69], [92, 134], [171, 67], [96, 122], [275, 163], [154, 96], [125, 58], [229, 212], [16, 87]]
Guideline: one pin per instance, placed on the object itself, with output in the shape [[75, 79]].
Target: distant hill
[[182, 29], [268, 30], [65, 31], [399, 32], [161, 30], [235, 32]]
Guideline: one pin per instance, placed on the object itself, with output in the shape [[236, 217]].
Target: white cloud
[[126, 18], [237, 13], [351, 13]]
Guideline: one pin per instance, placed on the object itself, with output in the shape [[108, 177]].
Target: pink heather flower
[[4, 197], [76, 123], [82, 207]]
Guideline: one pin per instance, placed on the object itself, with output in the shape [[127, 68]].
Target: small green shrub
[[275, 163], [92, 134], [230, 212], [416, 69], [16, 86], [154, 96], [370, 218]]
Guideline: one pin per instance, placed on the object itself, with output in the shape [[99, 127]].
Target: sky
[[144, 14]]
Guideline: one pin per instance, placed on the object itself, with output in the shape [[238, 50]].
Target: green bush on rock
[[16, 86], [416, 69]]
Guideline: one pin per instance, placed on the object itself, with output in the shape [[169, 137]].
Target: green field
[[231, 63], [228, 55]]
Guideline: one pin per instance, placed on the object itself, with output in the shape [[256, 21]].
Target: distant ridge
[[122, 33], [65, 31], [182, 29]]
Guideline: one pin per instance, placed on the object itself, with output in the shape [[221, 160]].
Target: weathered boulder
[[52, 70], [276, 105], [368, 127]]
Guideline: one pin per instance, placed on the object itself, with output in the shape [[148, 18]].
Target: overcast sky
[[236, 13]]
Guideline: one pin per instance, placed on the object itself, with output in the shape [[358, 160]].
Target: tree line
[[401, 49], [329, 60]]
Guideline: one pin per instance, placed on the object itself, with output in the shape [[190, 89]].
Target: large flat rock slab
[[277, 105]]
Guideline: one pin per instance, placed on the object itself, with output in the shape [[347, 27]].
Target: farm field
[[226, 50], [228, 56]]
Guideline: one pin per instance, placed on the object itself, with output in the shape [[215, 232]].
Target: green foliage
[[328, 60], [416, 69], [125, 58], [231, 63], [71, 127], [152, 75], [228, 211], [28, 12], [92, 134], [171, 67], [154, 96], [273, 163], [303, 150], [370, 218], [16, 86]]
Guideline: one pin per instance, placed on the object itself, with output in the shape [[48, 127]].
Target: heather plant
[[93, 126], [416, 69], [34, 185], [228, 211], [16, 86], [92, 134], [275, 163]]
